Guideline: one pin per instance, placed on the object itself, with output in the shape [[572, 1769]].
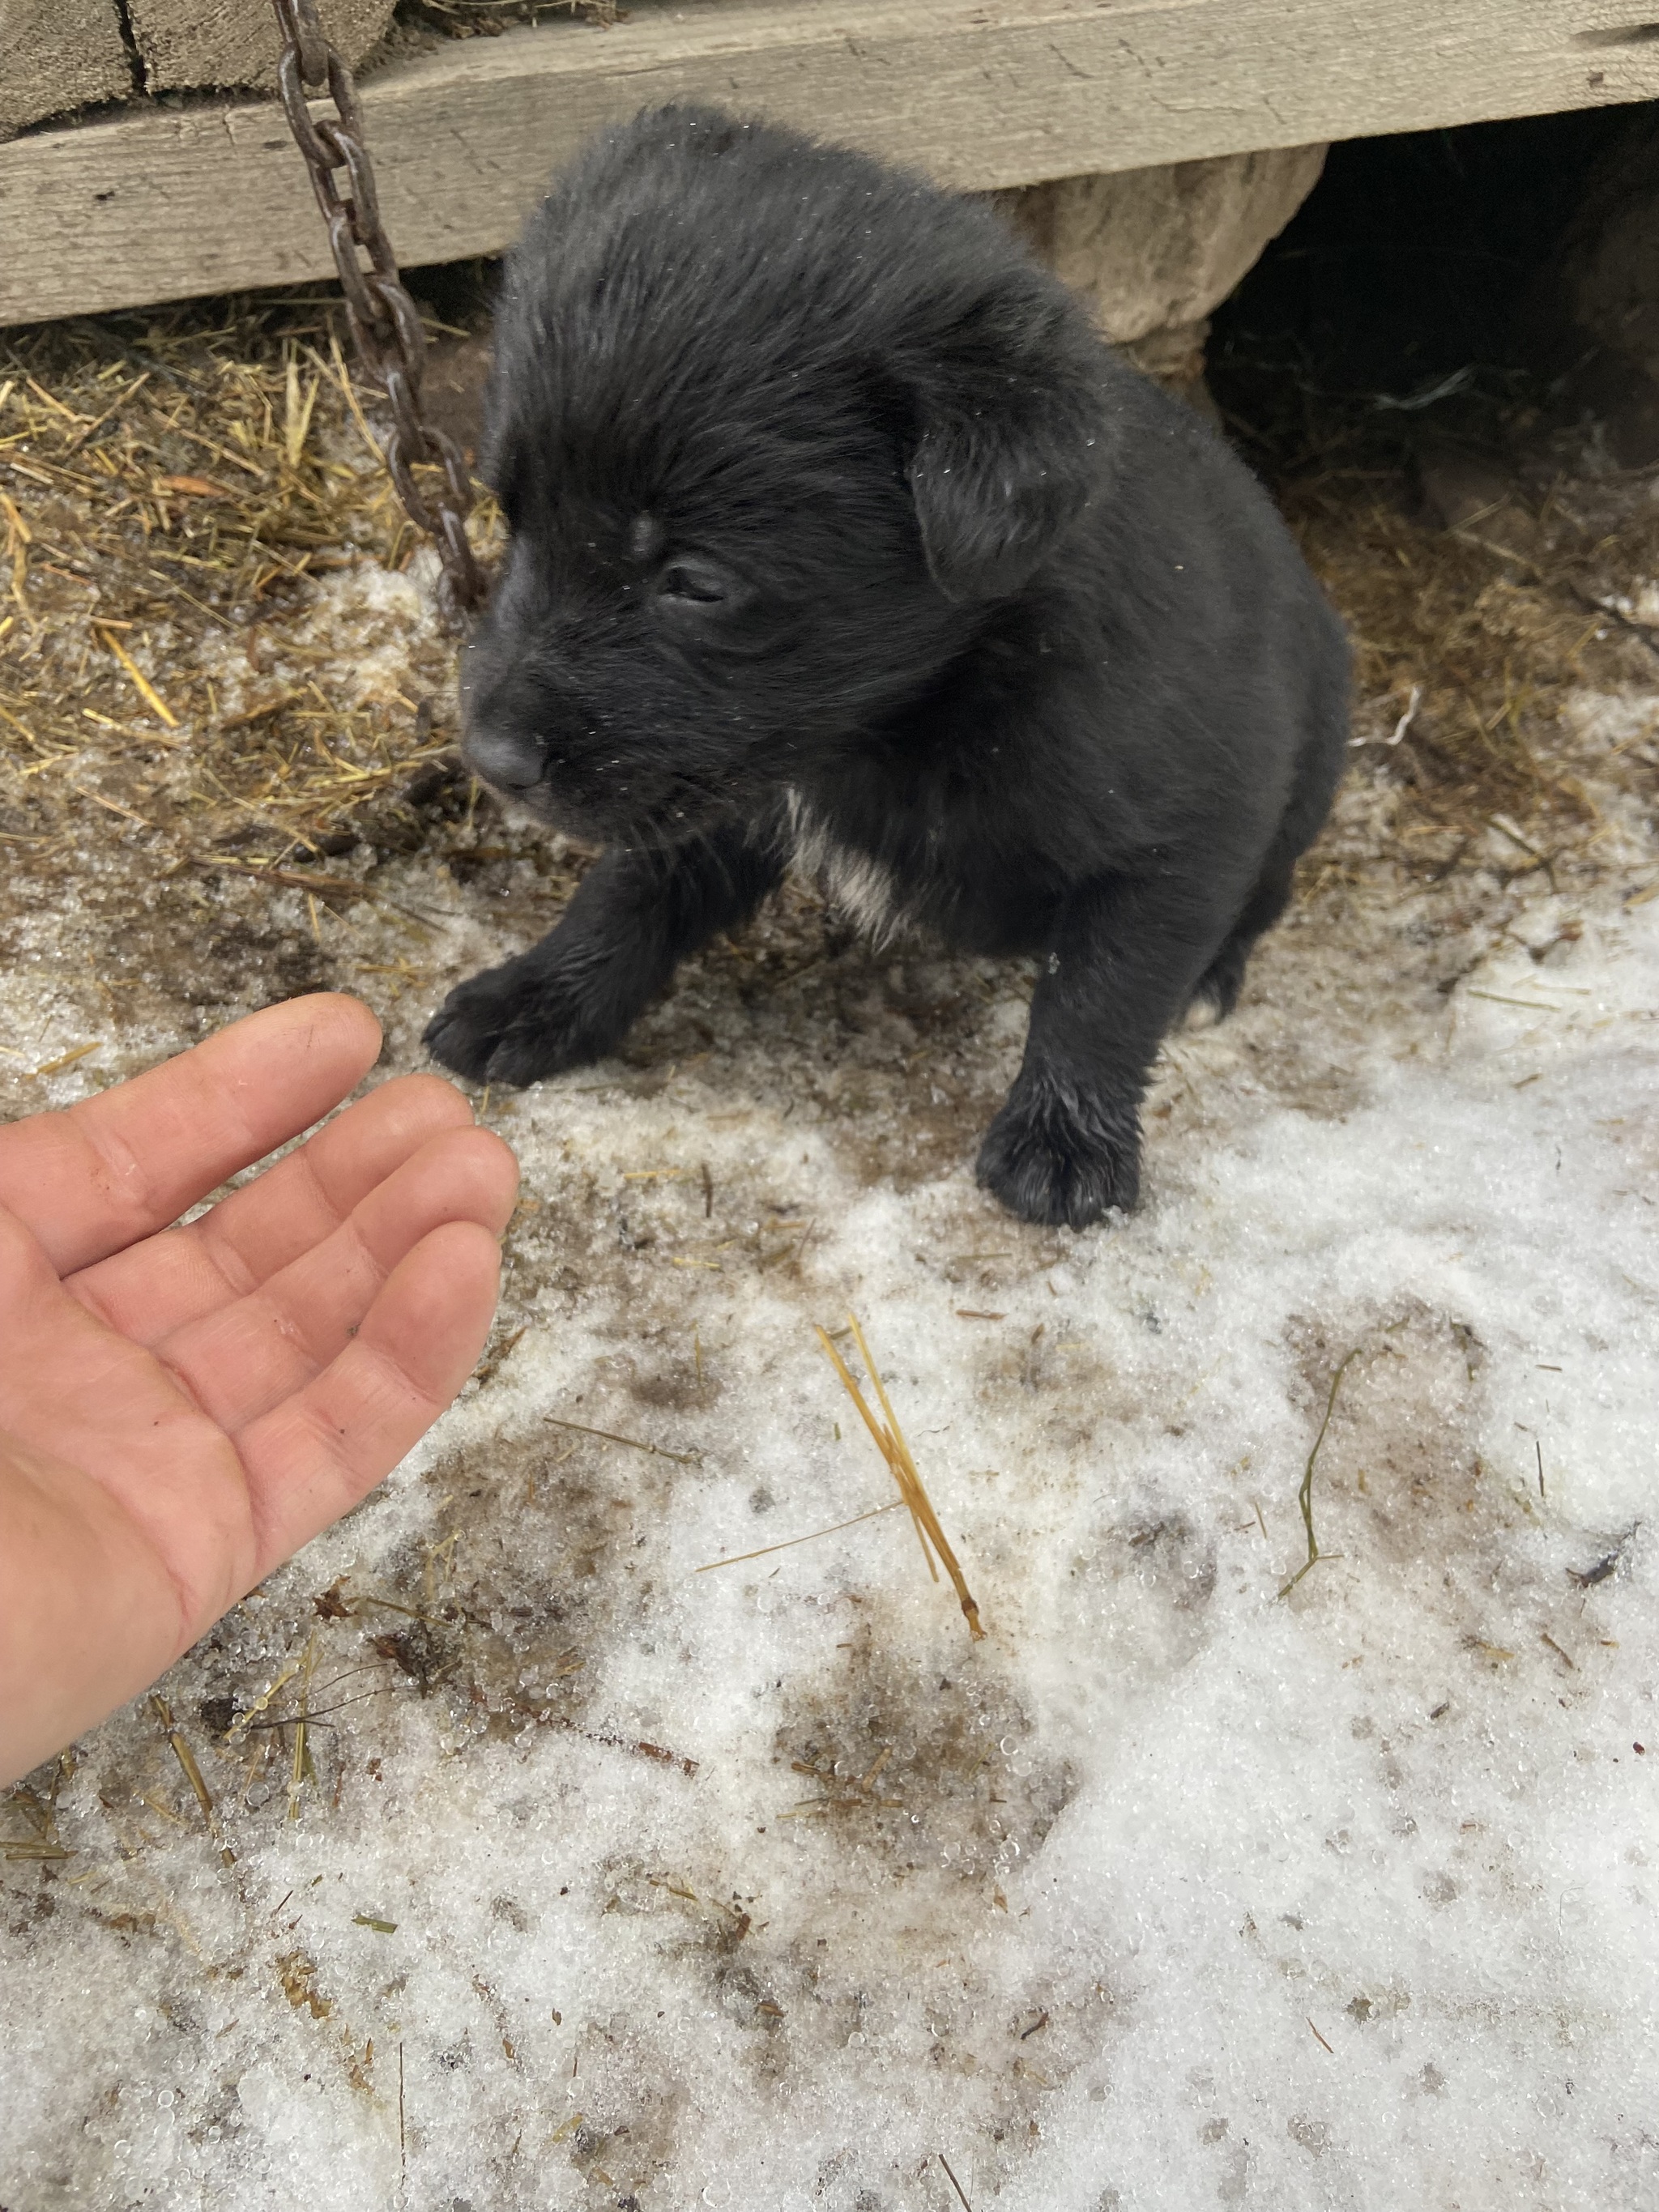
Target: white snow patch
[[764, 1887]]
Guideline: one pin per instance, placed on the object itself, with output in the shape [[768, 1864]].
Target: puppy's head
[[773, 428]]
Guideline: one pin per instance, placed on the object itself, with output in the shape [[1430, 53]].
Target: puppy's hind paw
[[1057, 1156], [505, 1026], [1216, 992]]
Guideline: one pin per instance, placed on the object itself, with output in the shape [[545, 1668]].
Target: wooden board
[[161, 205], [207, 43], [55, 55]]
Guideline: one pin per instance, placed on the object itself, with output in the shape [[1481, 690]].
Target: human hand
[[182, 1408]]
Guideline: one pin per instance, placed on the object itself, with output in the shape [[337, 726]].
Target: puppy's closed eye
[[691, 584], [694, 582]]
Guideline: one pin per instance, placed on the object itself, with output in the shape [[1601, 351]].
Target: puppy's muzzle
[[507, 759]]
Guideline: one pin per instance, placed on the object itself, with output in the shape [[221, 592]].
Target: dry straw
[[889, 1442], [174, 496]]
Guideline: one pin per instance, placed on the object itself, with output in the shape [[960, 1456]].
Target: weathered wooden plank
[[162, 205], [229, 43], [55, 55]]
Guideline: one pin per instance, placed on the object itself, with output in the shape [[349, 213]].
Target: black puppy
[[838, 537]]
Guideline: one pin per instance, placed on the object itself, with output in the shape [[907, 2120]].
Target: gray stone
[[1153, 251]]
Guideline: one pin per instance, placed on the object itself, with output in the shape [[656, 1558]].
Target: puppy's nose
[[503, 757]]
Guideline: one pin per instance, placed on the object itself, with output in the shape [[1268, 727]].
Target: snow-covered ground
[[601, 1881]]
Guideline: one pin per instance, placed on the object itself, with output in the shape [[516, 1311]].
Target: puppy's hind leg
[[1066, 1144], [571, 999], [1216, 992]]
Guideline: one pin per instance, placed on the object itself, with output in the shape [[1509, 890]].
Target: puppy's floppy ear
[[1004, 456]]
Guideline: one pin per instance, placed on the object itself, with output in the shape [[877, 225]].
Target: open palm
[[181, 1408]]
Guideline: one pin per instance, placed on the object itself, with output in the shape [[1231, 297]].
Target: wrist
[[88, 1615]]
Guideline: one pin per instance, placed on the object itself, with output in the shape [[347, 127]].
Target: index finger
[[93, 1180]]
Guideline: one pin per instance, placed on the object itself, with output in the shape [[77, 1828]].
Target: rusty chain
[[386, 326]]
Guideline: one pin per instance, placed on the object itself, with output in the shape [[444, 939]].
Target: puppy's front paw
[[513, 1024], [1058, 1156]]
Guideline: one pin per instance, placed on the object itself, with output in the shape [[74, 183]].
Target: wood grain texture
[[58, 55], [187, 44], [161, 205]]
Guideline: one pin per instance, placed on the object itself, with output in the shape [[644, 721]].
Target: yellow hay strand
[[146, 691], [889, 1442]]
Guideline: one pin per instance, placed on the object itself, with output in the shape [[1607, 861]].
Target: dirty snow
[[614, 1883]]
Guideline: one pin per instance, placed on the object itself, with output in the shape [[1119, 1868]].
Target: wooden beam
[[55, 55], [164, 205], [196, 44]]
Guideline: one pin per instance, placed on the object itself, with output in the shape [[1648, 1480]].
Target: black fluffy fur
[[834, 525]]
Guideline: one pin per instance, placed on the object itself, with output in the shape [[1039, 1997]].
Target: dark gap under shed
[[1440, 368], [1416, 284]]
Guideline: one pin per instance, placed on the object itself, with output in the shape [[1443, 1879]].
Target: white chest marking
[[861, 888]]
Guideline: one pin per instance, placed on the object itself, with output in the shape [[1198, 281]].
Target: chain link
[[385, 324]]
